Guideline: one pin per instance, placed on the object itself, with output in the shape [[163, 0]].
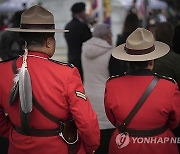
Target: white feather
[[25, 89]]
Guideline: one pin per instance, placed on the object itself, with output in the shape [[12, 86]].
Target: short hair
[[138, 65], [35, 39], [101, 30], [164, 32], [78, 8]]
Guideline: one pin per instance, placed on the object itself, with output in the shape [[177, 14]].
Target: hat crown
[[140, 39], [37, 15]]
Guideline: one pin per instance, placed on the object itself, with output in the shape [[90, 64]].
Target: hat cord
[[25, 56]]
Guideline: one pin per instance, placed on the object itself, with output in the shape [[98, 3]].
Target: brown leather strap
[[139, 52], [72, 148], [146, 133], [37, 26], [45, 113], [139, 104], [24, 117], [25, 120], [37, 132]]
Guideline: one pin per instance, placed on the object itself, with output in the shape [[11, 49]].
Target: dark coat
[[169, 66], [79, 32], [176, 39]]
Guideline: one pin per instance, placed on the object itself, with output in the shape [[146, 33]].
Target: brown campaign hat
[[37, 19], [140, 46]]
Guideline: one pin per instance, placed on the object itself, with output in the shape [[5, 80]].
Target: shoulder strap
[[139, 104], [36, 103], [25, 118], [45, 113]]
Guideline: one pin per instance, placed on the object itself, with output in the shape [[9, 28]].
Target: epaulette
[[8, 59], [165, 77], [62, 63], [116, 76]]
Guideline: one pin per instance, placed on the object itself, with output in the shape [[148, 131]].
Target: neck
[[39, 49]]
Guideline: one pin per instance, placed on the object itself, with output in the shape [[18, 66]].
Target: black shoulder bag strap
[[139, 104]]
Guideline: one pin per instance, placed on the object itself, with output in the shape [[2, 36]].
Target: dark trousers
[[104, 141], [3, 145]]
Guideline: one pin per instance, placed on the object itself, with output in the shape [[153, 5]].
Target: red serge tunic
[[161, 107], [54, 86]]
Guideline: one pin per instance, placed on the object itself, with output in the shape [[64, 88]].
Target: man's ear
[[151, 62], [49, 42]]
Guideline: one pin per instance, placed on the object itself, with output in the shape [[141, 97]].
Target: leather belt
[[145, 133], [38, 132]]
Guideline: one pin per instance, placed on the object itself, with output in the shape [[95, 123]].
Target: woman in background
[[131, 23], [95, 57]]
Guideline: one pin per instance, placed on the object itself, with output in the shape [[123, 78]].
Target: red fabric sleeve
[[85, 117], [107, 104], [174, 118], [5, 124]]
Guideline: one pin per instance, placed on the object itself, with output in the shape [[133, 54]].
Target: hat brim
[[161, 49], [37, 30]]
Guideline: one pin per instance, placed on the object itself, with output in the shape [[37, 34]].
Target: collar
[[38, 54], [142, 72]]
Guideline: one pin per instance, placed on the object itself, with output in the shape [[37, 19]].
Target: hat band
[[139, 52], [37, 26]]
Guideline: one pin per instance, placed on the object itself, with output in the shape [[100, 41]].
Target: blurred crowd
[[89, 46]]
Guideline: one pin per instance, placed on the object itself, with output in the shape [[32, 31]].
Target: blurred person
[[3, 22], [176, 39], [133, 8], [10, 47], [95, 57], [142, 105], [130, 24], [44, 98], [10, 43], [79, 32], [169, 65]]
